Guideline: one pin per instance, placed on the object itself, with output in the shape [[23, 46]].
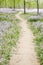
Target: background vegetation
[[19, 3]]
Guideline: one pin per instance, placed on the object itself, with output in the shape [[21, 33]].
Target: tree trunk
[[24, 7], [0, 3], [37, 7], [14, 4], [5, 3]]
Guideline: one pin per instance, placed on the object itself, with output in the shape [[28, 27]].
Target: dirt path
[[25, 54]]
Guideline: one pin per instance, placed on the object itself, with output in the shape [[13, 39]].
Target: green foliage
[[20, 3], [33, 20]]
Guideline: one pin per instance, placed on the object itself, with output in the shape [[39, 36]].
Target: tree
[[14, 4], [5, 3], [0, 3], [37, 7], [24, 7]]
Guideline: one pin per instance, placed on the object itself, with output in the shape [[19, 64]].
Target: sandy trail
[[25, 54]]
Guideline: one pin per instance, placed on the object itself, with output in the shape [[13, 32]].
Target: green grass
[[27, 15], [9, 38]]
